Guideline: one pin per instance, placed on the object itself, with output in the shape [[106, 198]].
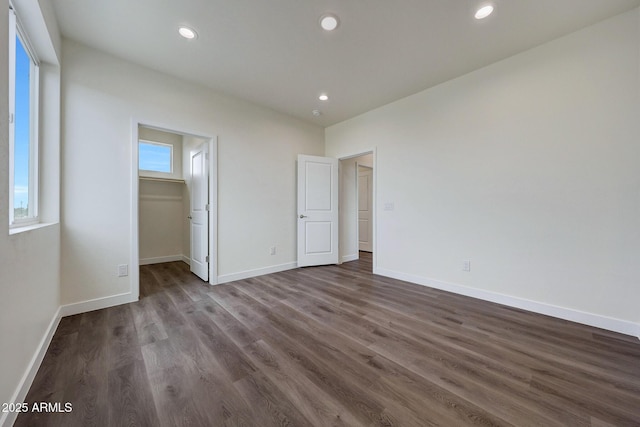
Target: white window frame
[[151, 173], [15, 28]]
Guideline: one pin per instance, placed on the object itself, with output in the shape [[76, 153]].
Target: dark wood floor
[[329, 346]]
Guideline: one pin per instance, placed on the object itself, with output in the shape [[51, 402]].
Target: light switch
[[123, 270]]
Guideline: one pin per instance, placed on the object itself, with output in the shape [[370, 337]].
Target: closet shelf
[[148, 178]]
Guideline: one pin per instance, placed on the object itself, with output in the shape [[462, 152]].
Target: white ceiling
[[273, 52]]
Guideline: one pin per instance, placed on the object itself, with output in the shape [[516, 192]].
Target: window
[[155, 157], [23, 127]]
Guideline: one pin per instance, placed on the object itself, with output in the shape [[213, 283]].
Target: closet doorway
[[175, 200]]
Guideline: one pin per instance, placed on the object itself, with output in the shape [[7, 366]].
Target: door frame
[[374, 214], [134, 261]]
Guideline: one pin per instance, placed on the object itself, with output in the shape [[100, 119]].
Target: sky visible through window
[[22, 118], [154, 157]]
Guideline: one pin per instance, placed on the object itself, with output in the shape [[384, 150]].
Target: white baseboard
[[347, 258], [225, 278], [186, 259], [603, 322], [96, 304], [161, 259], [8, 418]]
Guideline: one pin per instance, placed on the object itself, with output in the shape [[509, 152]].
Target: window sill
[[30, 227], [150, 178]]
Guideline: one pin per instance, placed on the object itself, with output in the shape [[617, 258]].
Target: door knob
[[303, 216]]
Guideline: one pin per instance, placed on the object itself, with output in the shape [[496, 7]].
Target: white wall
[[528, 168], [257, 150], [30, 260]]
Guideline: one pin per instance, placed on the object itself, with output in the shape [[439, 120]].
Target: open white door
[[317, 210], [365, 195], [199, 216]]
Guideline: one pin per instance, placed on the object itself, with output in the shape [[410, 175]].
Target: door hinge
[[206, 259], [207, 207], [10, 118]]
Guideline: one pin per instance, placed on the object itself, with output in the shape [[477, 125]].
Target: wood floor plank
[[357, 353], [352, 396], [212, 387], [329, 346], [173, 399], [51, 380], [87, 387], [123, 346], [149, 328], [272, 406], [318, 407], [476, 344], [226, 352], [131, 395], [202, 382], [235, 330]]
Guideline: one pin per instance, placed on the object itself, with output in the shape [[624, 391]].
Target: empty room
[[327, 213]]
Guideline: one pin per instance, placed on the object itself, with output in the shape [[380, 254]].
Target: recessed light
[[484, 11], [187, 33], [329, 22], [323, 97]]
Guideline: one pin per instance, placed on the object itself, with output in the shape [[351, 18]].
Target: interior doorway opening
[[174, 204], [357, 208]]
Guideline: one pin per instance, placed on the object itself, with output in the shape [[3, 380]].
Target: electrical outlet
[[466, 265], [272, 250], [123, 270]]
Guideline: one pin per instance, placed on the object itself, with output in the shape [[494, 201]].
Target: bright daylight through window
[[155, 157], [23, 134]]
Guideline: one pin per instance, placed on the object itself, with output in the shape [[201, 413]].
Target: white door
[[317, 210], [365, 195], [199, 230]]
